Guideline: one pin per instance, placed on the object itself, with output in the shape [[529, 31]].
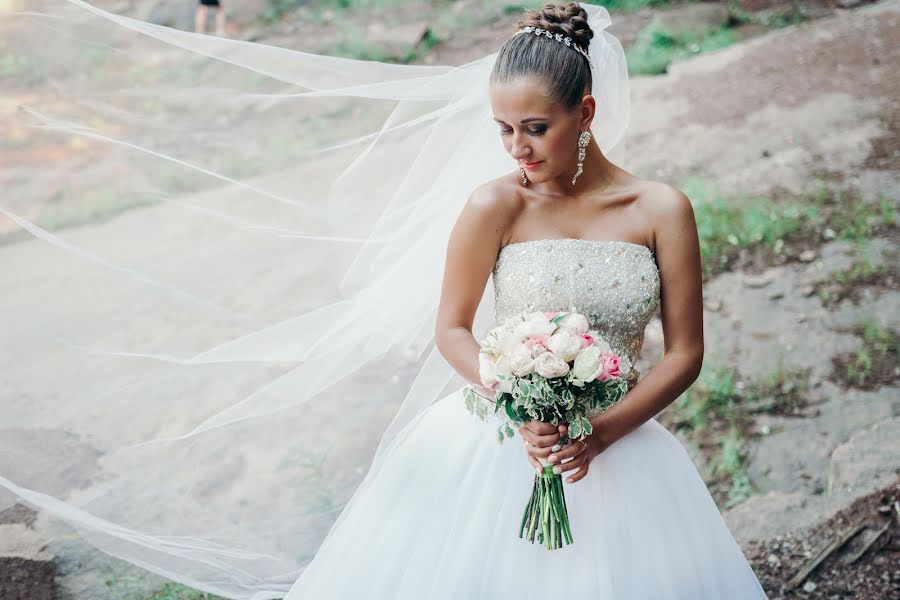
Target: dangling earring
[[583, 141], [522, 173]]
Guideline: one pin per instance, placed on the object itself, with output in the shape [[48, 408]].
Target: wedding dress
[[440, 520]]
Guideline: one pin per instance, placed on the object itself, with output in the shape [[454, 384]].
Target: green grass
[[731, 464], [879, 345], [717, 411], [176, 591], [92, 206], [656, 48], [726, 226], [351, 43]]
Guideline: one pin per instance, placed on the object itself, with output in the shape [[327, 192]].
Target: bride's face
[[537, 131]]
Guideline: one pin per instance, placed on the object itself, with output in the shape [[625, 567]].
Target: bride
[[569, 231], [137, 440]]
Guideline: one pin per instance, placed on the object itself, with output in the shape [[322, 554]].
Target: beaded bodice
[[614, 284]]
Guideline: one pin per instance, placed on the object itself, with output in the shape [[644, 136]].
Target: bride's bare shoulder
[[662, 203], [500, 198], [669, 218]]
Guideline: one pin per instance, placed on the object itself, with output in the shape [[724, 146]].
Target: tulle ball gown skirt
[[440, 520]]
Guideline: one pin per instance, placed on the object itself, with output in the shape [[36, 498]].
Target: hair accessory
[[558, 37]]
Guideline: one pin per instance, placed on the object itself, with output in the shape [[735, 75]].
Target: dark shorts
[[209, 2]]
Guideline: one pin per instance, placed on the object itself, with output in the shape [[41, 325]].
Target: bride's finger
[[568, 466], [541, 441], [579, 474], [537, 451]]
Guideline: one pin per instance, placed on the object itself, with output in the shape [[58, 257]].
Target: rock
[[869, 460], [27, 569], [759, 281], [171, 13], [397, 40], [808, 255], [772, 514], [809, 587]]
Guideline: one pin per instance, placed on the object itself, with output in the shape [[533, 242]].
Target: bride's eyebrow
[[523, 121]]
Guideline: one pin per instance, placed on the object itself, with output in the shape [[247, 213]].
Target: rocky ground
[[795, 420]]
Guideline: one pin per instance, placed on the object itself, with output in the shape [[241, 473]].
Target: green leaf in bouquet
[[509, 431], [586, 426], [510, 412], [469, 395], [575, 429], [558, 319], [481, 411], [500, 437]]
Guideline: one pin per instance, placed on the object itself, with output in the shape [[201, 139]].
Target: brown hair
[[565, 71]]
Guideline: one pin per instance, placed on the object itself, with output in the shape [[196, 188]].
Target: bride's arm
[[471, 253], [678, 258]]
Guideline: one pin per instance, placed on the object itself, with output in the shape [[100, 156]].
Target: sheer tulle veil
[[220, 283]]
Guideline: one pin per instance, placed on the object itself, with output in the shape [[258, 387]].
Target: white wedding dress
[[441, 518]]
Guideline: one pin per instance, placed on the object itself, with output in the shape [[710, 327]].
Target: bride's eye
[[535, 132]]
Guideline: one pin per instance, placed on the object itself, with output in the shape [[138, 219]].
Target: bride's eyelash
[[536, 131]]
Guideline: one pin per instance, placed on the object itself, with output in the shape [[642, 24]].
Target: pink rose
[[535, 339], [609, 367], [587, 340]]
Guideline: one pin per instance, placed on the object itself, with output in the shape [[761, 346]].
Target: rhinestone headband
[[558, 37]]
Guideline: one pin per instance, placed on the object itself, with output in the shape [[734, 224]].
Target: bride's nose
[[519, 150]]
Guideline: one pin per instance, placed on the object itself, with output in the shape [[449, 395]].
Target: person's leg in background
[[200, 18], [220, 20]]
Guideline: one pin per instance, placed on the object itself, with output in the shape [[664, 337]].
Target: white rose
[[521, 361], [565, 344], [487, 372], [549, 365], [537, 350], [577, 323], [588, 364]]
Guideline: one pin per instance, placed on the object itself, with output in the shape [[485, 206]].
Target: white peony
[[588, 364], [549, 365], [576, 322], [503, 366], [565, 344], [534, 324], [493, 337], [521, 361]]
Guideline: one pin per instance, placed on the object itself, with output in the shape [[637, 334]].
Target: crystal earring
[[522, 173], [583, 141]]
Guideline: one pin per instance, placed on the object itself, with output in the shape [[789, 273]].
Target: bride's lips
[[532, 165]]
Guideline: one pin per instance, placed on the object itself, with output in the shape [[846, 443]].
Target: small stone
[[809, 587], [808, 255], [758, 281]]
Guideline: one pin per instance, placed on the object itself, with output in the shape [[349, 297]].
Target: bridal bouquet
[[547, 367]]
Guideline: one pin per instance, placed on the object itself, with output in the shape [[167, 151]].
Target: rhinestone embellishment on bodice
[[614, 284]]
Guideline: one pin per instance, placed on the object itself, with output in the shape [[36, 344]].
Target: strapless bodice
[[614, 284]]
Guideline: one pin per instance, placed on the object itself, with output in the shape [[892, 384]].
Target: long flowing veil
[[221, 266]]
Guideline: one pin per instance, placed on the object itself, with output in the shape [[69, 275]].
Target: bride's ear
[[588, 110]]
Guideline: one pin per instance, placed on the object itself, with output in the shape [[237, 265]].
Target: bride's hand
[[582, 452], [540, 440]]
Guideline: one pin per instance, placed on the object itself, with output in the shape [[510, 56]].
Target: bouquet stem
[[546, 517]]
